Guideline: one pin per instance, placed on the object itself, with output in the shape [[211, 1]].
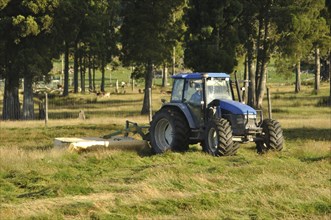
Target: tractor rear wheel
[[272, 136], [218, 138], [169, 131]]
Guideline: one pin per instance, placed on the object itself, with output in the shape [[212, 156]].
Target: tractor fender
[[184, 109]]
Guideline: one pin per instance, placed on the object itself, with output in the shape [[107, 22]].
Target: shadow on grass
[[317, 134], [78, 103], [142, 151], [94, 114], [295, 97], [311, 159]]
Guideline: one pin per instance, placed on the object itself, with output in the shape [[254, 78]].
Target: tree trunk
[[28, 105], [330, 76], [66, 70], [90, 86], [76, 55], [317, 70], [165, 76], [11, 104], [148, 84], [246, 78], [103, 66], [93, 70], [251, 74], [258, 58], [298, 77], [173, 61], [82, 73], [262, 86], [264, 62]]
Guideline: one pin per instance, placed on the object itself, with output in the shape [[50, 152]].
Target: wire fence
[[119, 100], [85, 106]]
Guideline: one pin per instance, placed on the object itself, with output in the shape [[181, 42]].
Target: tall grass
[[39, 182]]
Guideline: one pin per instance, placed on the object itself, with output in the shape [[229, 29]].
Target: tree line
[[209, 35]]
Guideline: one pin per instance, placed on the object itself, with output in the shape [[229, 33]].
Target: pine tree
[[212, 35], [25, 52], [149, 33]]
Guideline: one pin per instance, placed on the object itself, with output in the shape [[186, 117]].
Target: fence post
[[132, 84], [110, 85], [269, 104], [46, 109], [150, 104], [116, 85]]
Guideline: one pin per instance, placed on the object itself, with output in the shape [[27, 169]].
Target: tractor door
[[193, 97], [177, 90]]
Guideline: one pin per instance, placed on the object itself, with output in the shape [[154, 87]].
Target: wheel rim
[[212, 139], [164, 134]]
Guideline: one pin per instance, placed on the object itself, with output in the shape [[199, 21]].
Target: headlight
[[250, 116]]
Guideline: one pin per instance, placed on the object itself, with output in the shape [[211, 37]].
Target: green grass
[[39, 182]]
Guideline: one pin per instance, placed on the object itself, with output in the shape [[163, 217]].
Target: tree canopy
[[148, 34], [212, 35]]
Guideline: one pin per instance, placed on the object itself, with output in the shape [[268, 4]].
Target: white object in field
[[90, 143]]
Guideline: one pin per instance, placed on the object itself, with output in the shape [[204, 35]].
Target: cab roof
[[199, 75]]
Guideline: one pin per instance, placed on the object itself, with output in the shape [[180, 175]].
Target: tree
[[212, 35], [68, 20], [321, 39], [248, 36], [33, 61], [149, 32], [11, 106], [259, 36], [328, 19], [265, 33], [24, 27], [303, 30], [97, 39]]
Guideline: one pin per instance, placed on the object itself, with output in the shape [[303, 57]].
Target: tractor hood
[[236, 108]]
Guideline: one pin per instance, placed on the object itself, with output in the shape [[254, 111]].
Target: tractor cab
[[211, 86], [197, 91], [208, 95]]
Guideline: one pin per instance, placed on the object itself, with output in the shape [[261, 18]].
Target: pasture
[[39, 182]]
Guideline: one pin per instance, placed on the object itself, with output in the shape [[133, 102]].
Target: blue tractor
[[202, 110]]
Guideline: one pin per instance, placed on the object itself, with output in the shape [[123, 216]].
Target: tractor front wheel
[[272, 136], [169, 131], [218, 138]]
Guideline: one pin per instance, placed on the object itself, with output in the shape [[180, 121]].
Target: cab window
[[177, 91]]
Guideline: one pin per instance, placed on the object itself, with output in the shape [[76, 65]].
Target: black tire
[[272, 136], [234, 150], [218, 138], [169, 131]]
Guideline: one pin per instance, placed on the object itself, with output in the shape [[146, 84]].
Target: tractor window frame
[[220, 84], [190, 89], [177, 90]]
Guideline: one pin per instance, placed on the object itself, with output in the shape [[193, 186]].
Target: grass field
[[39, 182]]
